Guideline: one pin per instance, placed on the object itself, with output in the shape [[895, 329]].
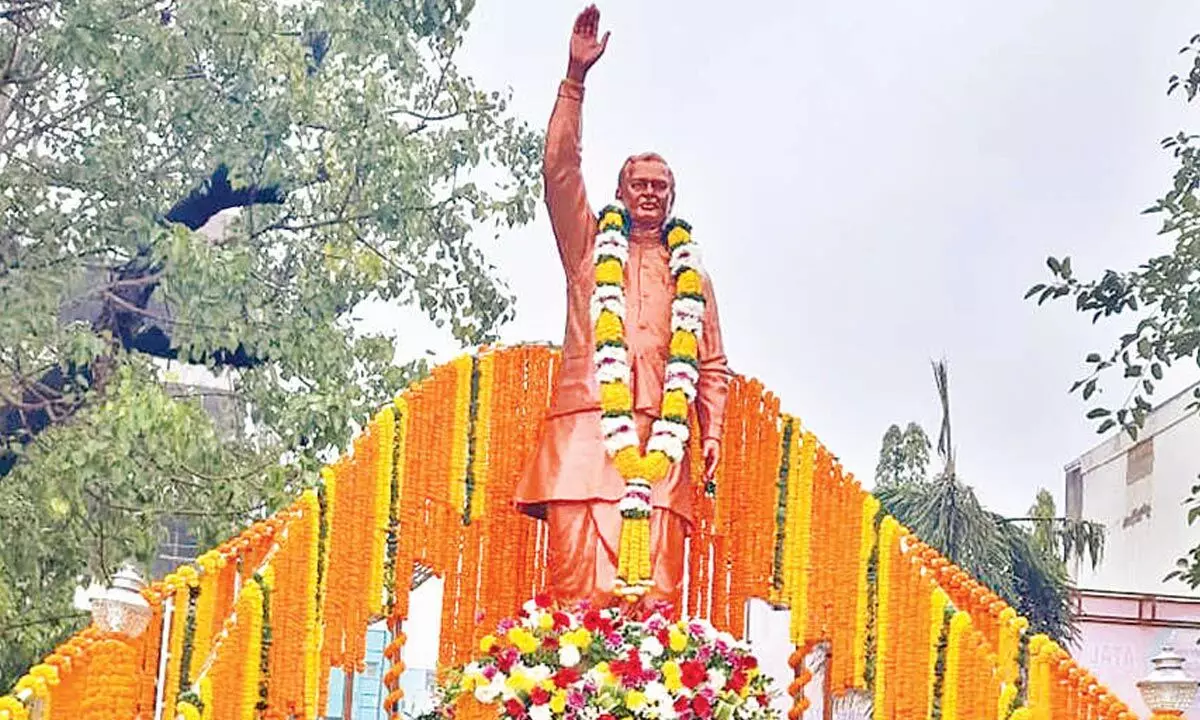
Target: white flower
[[540, 712], [657, 692], [687, 257], [652, 647], [540, 673], [487, 694], [717, 679], [569, 656]]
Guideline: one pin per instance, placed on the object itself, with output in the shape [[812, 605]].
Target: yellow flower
[[654, 466], [674, 404], [615, 397], [628, 462], [606, 676], [579, 637], [672, 675], [678, 640], [635, 699], [678, 236], [611, 220], [689, 283], [486, 643], [473, 680], [546, 621], [187, 711], [610, 272], [608, 327], [683, 344], [558, 702], [519, 681], [524, 640]]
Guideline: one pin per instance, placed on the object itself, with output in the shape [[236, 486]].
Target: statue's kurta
[[570, 481]]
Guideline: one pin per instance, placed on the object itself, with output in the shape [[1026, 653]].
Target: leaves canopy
[[1159, 301], [362, 159]]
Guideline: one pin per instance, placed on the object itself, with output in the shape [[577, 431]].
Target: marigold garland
[[669, 433], [797, 556]]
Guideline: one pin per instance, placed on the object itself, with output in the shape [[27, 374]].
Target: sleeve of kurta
[[713, 388], [570, 216]]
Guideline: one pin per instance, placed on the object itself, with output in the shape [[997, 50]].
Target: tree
[[1025, 567], [903, 456], [1159, 301], [360, 162]]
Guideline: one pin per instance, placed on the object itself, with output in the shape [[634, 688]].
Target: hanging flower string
[[670, 431]]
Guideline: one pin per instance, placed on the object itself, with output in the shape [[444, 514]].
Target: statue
[[642, 352]]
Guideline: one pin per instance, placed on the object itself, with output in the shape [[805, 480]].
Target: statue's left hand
[[712, 456]]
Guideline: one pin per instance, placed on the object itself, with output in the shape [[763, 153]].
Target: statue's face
[[648, 190]]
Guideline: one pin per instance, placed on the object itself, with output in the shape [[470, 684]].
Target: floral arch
[[253, 628]]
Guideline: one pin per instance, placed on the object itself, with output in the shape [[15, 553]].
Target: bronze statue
[[572, 482]]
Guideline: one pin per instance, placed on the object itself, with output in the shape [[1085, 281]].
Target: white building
[[1127, 609], [1137, 489]]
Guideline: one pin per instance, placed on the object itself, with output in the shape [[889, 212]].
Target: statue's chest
[[648, 293]]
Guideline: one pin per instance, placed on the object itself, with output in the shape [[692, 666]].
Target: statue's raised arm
[[570, 215]]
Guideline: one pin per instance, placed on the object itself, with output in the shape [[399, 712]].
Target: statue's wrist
[[576, 73]]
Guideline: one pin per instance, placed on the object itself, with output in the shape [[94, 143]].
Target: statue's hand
[[712, 456], [585, 48]]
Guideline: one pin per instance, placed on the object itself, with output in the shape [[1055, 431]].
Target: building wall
[[1119, 633], [1137, 490]]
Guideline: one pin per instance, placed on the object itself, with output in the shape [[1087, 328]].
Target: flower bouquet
[[610, 664]]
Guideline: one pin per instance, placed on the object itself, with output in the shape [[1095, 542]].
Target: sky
[[874, 185]]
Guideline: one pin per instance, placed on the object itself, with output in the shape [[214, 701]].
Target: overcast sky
[[875, 185]]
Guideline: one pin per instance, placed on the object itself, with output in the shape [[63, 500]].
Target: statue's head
[[647, 188]]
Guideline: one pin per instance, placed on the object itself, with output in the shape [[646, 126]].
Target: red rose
[[542, 601], [606, 716], [664, 637], [506, 659], [562, 621], [737, 681], [597, 623], [702, 707], [550, 643], [682, 704], [514, 709], [565, 677], [693, 673], [746, 662], [763, 701], [539, 696]]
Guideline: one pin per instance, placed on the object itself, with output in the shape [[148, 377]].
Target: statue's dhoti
[[572, 484]]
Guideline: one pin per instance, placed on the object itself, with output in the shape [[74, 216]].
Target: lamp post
[[1168, 690], [121, 608]]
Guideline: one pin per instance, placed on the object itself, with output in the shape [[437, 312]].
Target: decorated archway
[[253, 628]]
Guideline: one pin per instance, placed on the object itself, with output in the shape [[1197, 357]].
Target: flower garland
[[669, 433], [797, 556], [111, 691], [888, 533]]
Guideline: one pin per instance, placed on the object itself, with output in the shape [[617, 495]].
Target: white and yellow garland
[[669, 433]]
